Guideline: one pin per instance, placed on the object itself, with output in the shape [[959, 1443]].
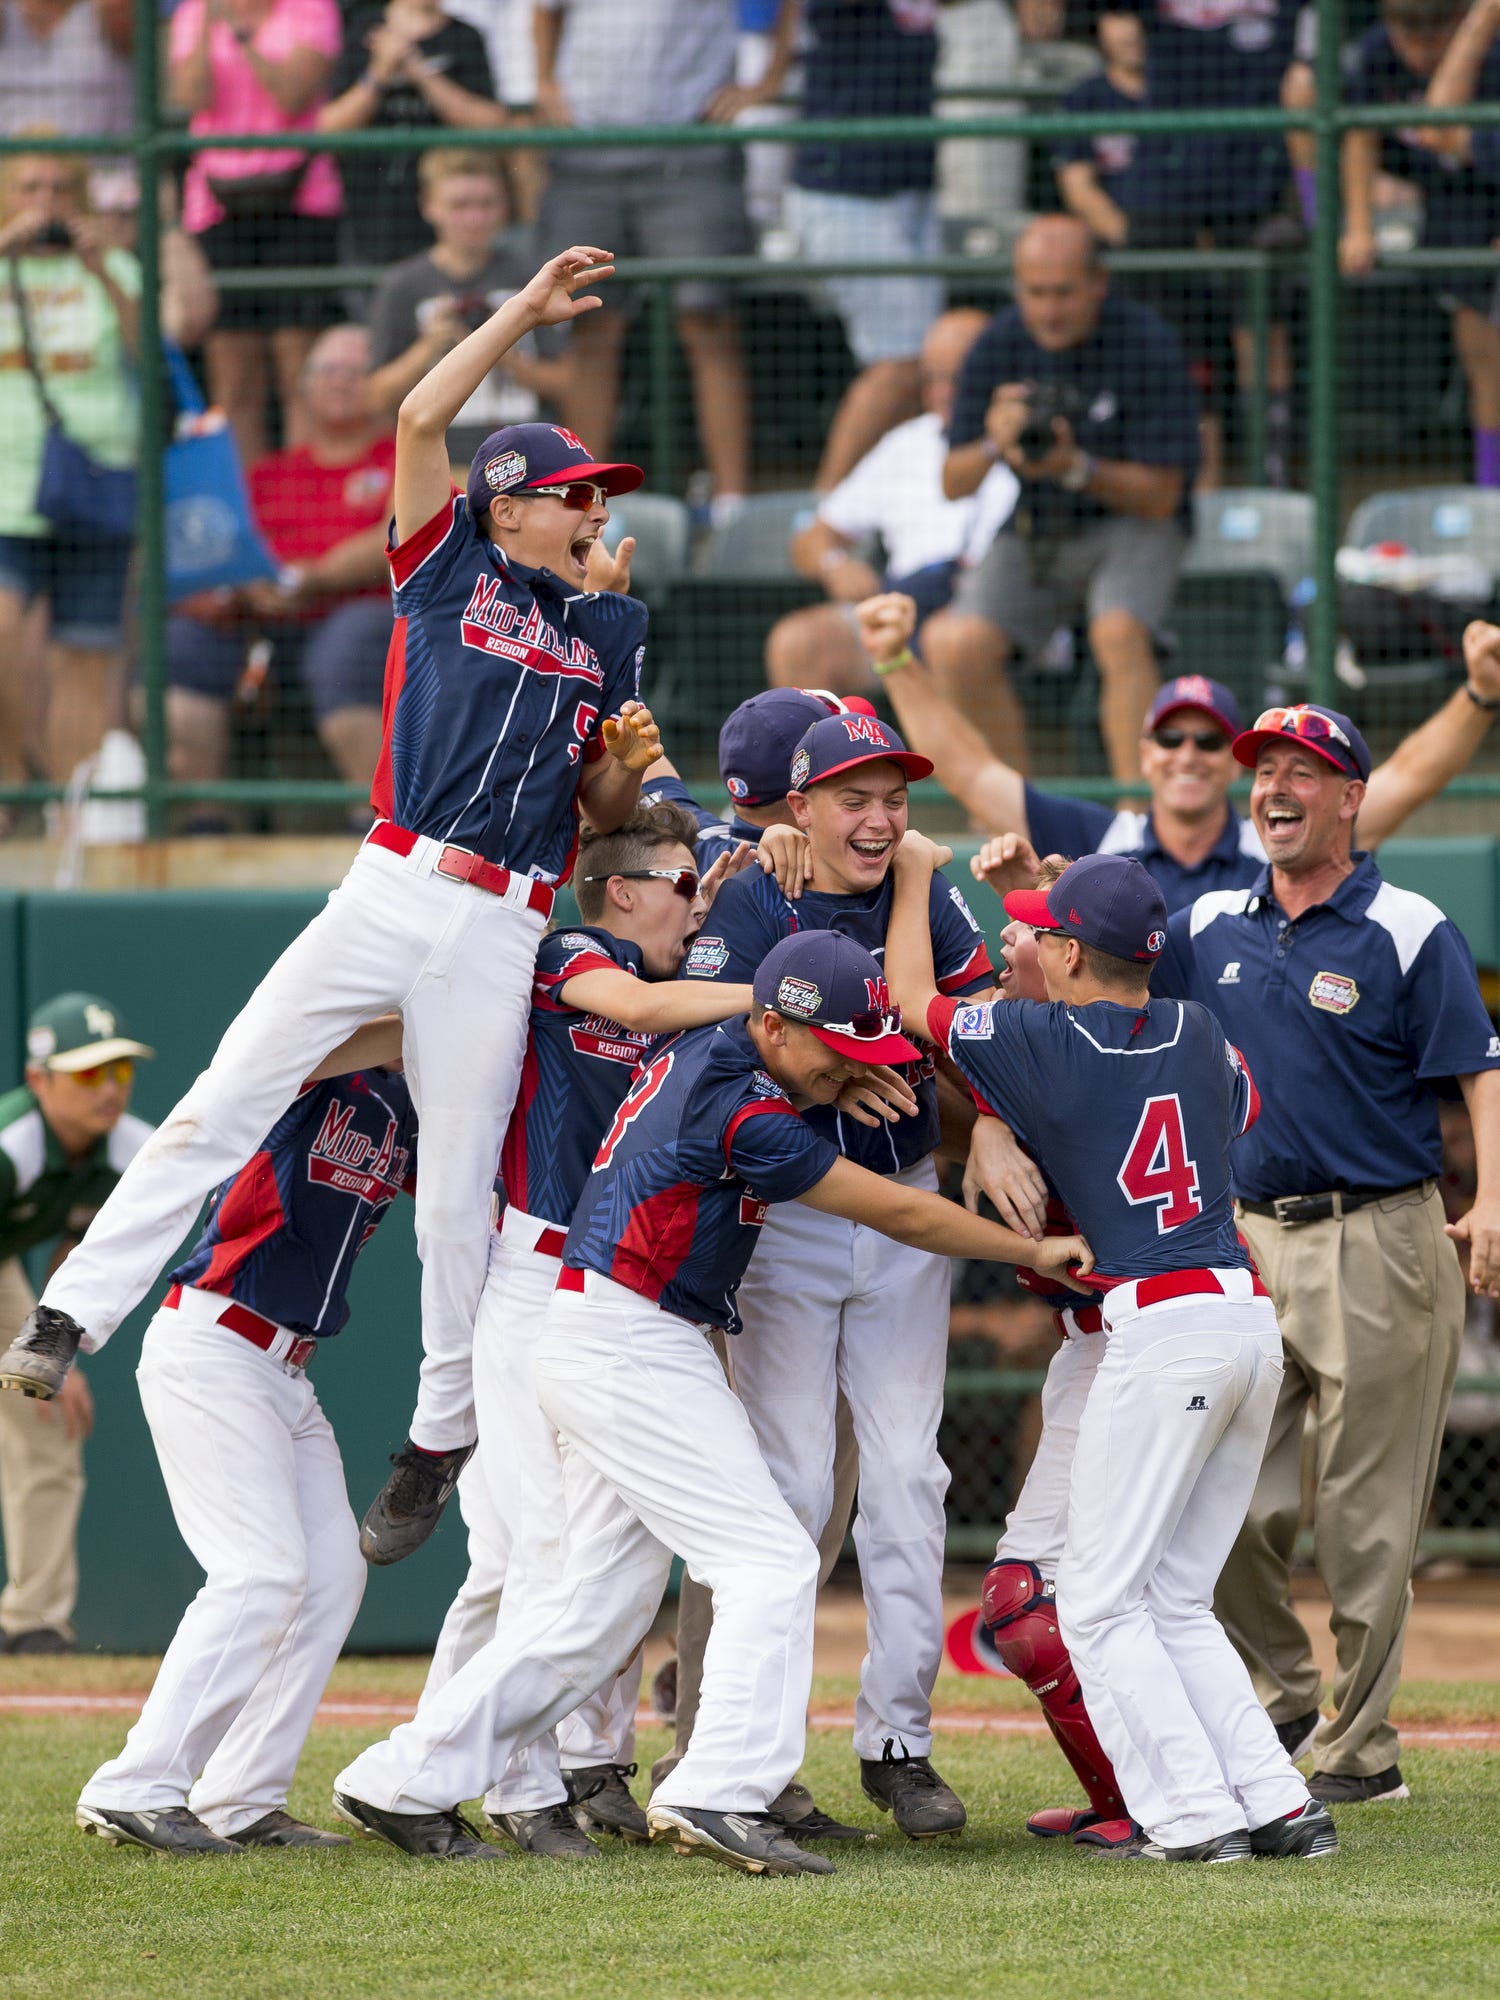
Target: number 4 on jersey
[[1157, 1168]]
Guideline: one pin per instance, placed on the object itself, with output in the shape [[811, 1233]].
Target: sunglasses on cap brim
[[1308, 723]]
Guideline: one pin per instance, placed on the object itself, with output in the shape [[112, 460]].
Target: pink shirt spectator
[[241, 103]]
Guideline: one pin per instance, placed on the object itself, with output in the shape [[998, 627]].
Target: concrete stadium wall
[[179, 964]]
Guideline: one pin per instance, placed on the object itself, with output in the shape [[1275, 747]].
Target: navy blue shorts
[[82, 578]]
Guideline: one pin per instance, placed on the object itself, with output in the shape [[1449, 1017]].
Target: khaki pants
[[41, 1492], [695, 1605], [1371, 1308]]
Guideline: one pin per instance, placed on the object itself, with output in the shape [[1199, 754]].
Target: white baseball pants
[[508, 1540], [830, 1305], [1169, 1447], [458, 964], [1037, 1525], [257, 1488], [659, 1456]]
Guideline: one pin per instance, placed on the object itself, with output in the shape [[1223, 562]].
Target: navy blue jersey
[[496, 684], [282, 1234], [1076, 827], [750, 914], [1137, 397], [1131, 1110], [868, 59], [703, 1143], [1348, 1016], [577, 1070], [1127, 164], [1461, 205]]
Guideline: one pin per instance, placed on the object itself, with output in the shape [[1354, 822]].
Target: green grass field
[[1408, 1908]]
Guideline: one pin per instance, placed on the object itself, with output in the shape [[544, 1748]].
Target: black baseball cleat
[[1223, 1847], [1303, 1835], [752, 1841], [169, 1830], [912, 1792], [1339, 1788], [551, 1831], [41, 1639], [796, 1812], [1296, 1737], [601, 1802], [38, 1359], [407, 1508], [279, 1829], [438, 1836]]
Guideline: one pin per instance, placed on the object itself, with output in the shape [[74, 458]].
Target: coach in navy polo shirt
[[1105, 508], [1351, 1001]]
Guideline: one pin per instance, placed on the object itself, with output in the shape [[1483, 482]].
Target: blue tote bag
[[210, 535]]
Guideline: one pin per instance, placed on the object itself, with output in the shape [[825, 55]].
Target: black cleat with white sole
[[752, 1841], [551, 1831], [1223, 1847], [796, 1812], [1304, 1835], [1337, 1788], [1296, 1737], [407, 1508], [171, 1830], [908, 1788], [601, 1801], [439, 1836], [279, 1829], [37, 1361]]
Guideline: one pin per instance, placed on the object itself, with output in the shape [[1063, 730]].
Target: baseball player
[[66, 1135], [872, 1316], [1131, 1105], [509, 705], [660, 1454], [254, 1476]]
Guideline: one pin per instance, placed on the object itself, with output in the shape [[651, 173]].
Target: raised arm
[[908, 940], [1422, 763], [655, 1007], [1456, 78], [422, 481]]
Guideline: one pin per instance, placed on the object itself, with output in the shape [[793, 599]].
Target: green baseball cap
[[76, 1030]]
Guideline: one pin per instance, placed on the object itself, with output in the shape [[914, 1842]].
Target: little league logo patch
[[798, 997], [1333, 992], [1157, 941], [974, 1024], [801, 765], [506, 469], [707, 959], [737, 788]]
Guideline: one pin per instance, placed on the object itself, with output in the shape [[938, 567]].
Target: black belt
[[1290, 1209]]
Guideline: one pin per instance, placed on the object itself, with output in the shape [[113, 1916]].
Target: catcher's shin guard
[[1017, 1605]]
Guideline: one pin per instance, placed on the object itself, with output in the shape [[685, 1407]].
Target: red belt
[[259, 1331], [569, 1280], [1185, 1285], [1086, 1319], [465, 867]]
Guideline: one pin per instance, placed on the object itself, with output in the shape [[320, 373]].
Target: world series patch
[[707, 959], [975, 1024], [1333, 992]]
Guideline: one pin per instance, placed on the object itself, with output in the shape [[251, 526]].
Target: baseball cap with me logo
[[840, 742], [835, 987], [76, 1031], [759, 737], [520, 458], [1106, 901]]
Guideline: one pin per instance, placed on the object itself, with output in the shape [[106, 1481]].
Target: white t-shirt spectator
[[71, 79], [896, 492]]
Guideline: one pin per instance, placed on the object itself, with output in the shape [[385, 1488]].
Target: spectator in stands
[[1088, 399], [259, 66], [894, 494], [405, 64], [323, 507], [1394, 64], [656, 62], [74, 303], [433, 300], [870, 198], [64, 63]]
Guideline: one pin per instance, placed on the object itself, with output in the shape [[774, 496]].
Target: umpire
[[1351, 1001], [66, 1136]]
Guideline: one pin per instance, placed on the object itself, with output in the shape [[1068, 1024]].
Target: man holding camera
[[1087, 397]]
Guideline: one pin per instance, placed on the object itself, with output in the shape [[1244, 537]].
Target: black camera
[[53, 236], [1045, 402]]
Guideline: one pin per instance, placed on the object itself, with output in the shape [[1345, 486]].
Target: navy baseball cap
[[1195, 691], [1106, 901], [835, 987], [758, 738], [840, 742], [1325, 732], [521, 457]]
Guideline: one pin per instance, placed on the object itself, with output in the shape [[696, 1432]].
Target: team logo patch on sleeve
[[575, 941], [956, 898], [707, 959], [1333, 992], [974, 1024], [505, 470], [799, 998]]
